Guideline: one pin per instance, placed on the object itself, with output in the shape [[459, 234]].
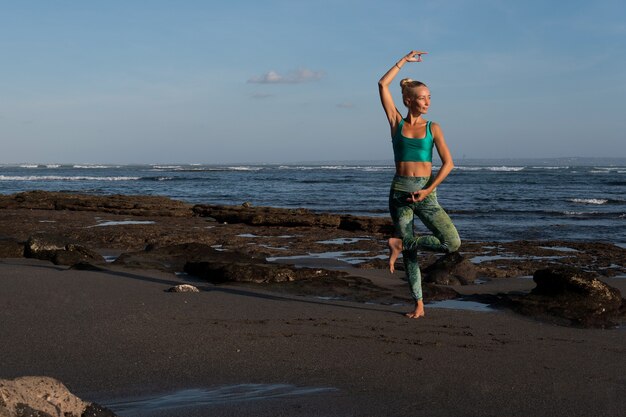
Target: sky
[[284, 81]]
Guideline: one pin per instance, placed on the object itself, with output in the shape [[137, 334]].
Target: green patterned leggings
[[445, 237]]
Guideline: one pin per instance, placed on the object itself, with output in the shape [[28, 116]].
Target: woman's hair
[[407, 83]]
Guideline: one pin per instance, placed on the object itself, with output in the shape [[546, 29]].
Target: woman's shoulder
[[435, 129]]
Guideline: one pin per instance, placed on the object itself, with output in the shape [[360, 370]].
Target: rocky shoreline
[[293, 250]]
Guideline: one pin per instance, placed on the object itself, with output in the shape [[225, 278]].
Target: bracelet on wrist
[[399, 67]]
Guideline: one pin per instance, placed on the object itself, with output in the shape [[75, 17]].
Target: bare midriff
[[413, 169]]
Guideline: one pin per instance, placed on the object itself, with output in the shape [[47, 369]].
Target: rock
[[55, 249], [96, 410], [38, 396], [86, 266], [572, 297], [76, 254], [170, 258], [246, 204], [44, 246], [183, 288], [219, 272], [266, 216], [116, 204], [451, 269], [366, 224], [11, 248], [271, 216]]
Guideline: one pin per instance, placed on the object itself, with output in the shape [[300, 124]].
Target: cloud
[[301, 75], [345, 105]]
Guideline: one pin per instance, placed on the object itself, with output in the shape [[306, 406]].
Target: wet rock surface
[[38, 396], [115, 204], [281, 249], [566, 295]]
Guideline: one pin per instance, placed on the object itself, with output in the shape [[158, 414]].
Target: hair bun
[[405, 81]]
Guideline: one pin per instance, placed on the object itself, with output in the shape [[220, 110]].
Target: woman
[[413, 190]]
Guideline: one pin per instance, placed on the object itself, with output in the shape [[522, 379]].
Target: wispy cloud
[[301, 75]]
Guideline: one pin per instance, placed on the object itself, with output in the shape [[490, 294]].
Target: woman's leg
[[445, 236], [402, 214]]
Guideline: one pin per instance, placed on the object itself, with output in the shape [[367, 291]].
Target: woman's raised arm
[[393, 115]]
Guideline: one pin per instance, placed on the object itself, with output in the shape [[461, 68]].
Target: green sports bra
[[412, 149]]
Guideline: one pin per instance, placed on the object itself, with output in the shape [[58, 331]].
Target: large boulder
[[451, 269], [570, 296], [39, 396]]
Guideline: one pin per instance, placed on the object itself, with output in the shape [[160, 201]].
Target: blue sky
[[284, 81]]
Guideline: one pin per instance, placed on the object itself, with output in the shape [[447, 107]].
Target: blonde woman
[[413, 189]]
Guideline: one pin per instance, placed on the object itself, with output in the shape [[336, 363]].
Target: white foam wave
[[167, 167], [29, 166], [550, 167], [53, 166], [500, 168], [62, 178], [95, 166], [581, 213], [596, 201], [366, 168], [506, 169], [244, 168]]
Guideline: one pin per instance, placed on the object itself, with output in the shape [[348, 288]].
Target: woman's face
[[419, 99]]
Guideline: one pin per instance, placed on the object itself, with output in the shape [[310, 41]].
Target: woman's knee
[[454, 243]]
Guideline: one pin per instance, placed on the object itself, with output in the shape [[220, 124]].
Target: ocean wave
[[366, 168], [62, 178], [53, 166], [564, 167], [88, 166], [244, 168], [167, 167], [494, 168], [597, 201], [29, 166]]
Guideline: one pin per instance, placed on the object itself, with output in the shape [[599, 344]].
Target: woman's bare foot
[[419, 310], [395, 246]]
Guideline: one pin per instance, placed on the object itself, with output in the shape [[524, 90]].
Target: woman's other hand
[[410, 57]]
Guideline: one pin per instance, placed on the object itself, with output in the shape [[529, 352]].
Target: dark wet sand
[[115, 335]]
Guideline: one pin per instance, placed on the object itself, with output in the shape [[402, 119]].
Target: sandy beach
[[116, 337]]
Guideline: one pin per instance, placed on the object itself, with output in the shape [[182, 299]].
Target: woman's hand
[[410, 57], [418, 196]]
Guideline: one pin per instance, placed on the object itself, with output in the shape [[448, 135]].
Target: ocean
[[487, 200]]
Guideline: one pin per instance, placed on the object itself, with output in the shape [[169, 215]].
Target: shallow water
[[462, 305], [123, 223], [141, 406]]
